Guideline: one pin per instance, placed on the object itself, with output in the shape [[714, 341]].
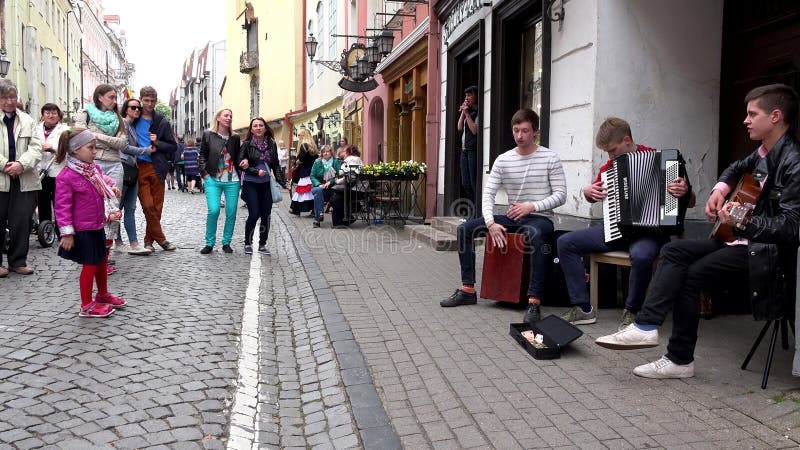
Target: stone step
[[448, 224], [439, 240]]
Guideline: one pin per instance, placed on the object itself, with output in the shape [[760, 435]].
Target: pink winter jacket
[[78, 205]]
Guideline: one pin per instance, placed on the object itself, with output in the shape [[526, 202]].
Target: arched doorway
[[376, 129]]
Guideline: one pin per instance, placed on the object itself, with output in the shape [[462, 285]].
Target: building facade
[[603, 59], [265, 64], [195, 100], [42, 41], [95, 48]]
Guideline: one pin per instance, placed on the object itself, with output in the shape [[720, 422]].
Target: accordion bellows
[[636, 184]]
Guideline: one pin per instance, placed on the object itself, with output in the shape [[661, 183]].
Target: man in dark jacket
[[763, 246], [153, 129]]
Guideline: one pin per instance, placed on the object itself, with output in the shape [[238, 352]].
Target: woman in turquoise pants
[[219, 152]]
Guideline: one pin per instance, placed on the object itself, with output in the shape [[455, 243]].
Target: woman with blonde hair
[[303, 199], [219, 153]]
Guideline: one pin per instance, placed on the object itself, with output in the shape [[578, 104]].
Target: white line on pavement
[[243, 410]]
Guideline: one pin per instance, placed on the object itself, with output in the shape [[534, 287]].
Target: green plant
[[395, 168]]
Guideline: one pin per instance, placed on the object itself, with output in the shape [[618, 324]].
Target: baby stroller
[[45, 230]]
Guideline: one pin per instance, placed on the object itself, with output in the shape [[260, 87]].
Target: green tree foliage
[[163, 109]]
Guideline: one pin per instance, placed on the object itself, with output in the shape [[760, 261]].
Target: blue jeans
[[128, 204], [573, 245], [469, 175], [538, 231], [320, 195], [258, 197], [214, 190]]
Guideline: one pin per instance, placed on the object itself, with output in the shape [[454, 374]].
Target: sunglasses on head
[[135, 108]]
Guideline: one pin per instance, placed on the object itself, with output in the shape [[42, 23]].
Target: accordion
[[636, 185]]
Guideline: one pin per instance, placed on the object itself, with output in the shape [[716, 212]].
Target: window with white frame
[[332, 29], [320, 33]]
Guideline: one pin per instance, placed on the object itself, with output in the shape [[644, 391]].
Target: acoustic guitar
[[745, 195]]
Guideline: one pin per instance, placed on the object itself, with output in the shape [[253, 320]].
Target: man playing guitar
[[765, 241]]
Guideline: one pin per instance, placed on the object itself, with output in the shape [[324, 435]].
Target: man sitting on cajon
[[534, 181]]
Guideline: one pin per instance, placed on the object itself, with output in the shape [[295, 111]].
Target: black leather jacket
[[211, 150], [772, 231], [250, 152]]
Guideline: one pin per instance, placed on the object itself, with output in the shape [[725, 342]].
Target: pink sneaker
[[109, 300], [110, 269], [95, 310]]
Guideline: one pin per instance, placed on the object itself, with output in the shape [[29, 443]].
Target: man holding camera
[[468, 126]]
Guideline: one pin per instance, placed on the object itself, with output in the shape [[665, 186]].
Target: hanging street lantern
[[311, 46], [372, 52], [385, 42], [4, 63]]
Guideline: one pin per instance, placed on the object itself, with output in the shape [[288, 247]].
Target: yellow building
[[42, 39], [264, 63]]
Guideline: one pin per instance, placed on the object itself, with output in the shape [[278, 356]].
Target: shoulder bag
[[275, 190], [130, 175]]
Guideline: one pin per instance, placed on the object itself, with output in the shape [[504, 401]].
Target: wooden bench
[[617, 258]]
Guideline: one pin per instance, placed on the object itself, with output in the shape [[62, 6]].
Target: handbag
[[276, 190], [130, 175]]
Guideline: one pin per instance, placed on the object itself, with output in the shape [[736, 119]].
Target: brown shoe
[[167, 246], [24, 270], [3, 272]]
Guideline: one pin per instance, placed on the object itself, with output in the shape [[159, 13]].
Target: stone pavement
[[336, 340], [454, 378], [206, 354]]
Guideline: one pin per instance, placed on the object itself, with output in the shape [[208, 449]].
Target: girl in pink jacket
[[81, 191]]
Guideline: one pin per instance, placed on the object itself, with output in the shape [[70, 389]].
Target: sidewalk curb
[[373, 423]]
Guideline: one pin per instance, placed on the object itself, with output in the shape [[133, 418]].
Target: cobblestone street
[[337, 340]]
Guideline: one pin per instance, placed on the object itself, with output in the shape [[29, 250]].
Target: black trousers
[[46, 197], [16, 211], [685, 268]]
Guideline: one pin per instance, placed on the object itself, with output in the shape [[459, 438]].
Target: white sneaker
[[138, 250], [664, 368], [120, 248], [629, 338]]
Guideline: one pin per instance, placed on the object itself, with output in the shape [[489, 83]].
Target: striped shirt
[[538, 178]]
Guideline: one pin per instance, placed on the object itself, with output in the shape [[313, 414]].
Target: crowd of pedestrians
[[90, 176]]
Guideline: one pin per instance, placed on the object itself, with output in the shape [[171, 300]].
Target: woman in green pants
[[219, 152]]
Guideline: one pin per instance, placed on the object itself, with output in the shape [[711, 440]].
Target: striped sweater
[[538, 178]]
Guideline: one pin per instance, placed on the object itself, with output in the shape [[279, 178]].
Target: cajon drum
[[506, 270]]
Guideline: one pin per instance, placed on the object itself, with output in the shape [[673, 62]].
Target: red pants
[[151, 196]]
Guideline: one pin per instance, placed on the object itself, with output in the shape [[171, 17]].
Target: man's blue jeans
[[573, 245], [538, 231]]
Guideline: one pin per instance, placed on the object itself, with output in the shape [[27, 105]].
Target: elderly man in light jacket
[[20, 151]]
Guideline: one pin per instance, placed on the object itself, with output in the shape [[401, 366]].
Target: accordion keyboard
[[611, 208]]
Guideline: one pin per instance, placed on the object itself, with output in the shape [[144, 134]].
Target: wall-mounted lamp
[[4, 63], [358, 63]]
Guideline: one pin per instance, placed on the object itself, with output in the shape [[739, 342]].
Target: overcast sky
[[162, 33]]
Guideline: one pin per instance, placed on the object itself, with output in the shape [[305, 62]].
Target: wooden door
[[761, 45]]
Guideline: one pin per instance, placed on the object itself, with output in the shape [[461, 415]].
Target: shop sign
[[460, 13], [358, 86]]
